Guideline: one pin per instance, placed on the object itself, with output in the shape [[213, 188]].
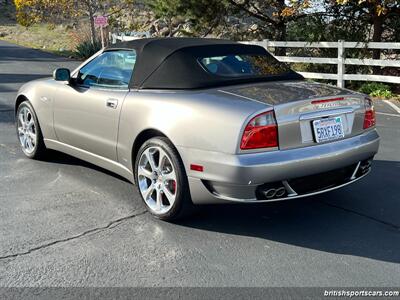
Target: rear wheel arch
[[142, 138]]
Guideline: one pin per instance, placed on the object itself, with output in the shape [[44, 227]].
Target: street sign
[[101, 21]]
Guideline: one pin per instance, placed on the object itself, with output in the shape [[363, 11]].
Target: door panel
[[83, 118], [86, 111]]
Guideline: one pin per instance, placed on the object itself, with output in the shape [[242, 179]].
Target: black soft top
[[172, 63]]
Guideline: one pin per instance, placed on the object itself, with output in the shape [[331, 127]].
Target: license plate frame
[[328, 129]]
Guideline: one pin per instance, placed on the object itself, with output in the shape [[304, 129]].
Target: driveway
[[64, 222]]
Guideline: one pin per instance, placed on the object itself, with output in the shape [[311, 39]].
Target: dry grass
[[56, 39]]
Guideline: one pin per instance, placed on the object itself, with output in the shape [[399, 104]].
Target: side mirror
[[62, 74]]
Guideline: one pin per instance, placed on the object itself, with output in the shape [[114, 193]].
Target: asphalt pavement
[[64, 222]]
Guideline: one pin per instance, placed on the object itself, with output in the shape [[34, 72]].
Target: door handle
[[112, 103]]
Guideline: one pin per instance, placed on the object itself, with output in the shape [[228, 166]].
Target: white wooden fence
[[134, 35], [341, 61]]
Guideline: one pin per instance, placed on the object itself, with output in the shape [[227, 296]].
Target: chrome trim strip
[[324, 113], [254, 200], [353, 176]]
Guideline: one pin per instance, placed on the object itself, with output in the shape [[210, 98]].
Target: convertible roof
[[172, 63]]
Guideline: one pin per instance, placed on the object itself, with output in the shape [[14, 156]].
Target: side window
[[111, 69]]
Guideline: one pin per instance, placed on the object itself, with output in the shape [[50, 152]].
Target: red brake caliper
[[173, 186]]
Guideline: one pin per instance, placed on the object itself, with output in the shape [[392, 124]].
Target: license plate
[[328, 129]]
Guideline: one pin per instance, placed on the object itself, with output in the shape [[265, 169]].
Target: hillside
[[52, 38]]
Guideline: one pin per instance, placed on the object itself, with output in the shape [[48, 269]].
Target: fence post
[[114, 38], [266, 44], [341, 66]]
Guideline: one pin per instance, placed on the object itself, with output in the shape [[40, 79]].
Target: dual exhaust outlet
[[275, 192]]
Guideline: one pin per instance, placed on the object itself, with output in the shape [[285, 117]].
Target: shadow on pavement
[[57, 157], [8, 90], [357, 220], [19, 53], [19, 78], [6, 113]]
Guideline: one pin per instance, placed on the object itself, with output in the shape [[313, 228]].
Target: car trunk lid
[[297, 120], [297, 104], [279, 92]]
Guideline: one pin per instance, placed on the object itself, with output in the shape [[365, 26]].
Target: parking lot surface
[[64, 222]]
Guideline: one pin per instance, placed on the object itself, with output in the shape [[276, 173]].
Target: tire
[[155, 180], [33, 146]]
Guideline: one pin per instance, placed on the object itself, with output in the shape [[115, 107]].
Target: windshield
[[244, 65], [111, 69]]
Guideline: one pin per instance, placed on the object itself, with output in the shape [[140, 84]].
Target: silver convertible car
[[193, 121]]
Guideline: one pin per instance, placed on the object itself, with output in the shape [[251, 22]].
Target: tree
[[377, 14], [275, 13], [269, 16], [90, 8], [169, 12], [351, 20], [33, 11]]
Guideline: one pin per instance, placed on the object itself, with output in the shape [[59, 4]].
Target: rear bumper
[[237, 177]]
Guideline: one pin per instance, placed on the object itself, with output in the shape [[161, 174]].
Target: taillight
[[369, 117], [260, 132]]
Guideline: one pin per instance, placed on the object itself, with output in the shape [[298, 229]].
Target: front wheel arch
[[39, 149], [18, 101]]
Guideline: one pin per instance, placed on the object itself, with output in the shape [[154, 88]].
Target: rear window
[[244, 65]]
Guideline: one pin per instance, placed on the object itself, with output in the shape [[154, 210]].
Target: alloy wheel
[[26, 130], [157, 180]]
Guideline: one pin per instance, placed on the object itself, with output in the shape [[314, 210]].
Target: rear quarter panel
[[205, 120]]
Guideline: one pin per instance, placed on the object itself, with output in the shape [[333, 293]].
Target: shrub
[[86, 48], [25, 12], [376, 89], [382, 94]]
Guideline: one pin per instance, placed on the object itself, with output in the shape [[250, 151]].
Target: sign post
[[101, 21]]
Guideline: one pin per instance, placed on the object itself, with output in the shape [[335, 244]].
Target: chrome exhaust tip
[[275, 193], [273, 190], [280, 192], [269, 194]]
